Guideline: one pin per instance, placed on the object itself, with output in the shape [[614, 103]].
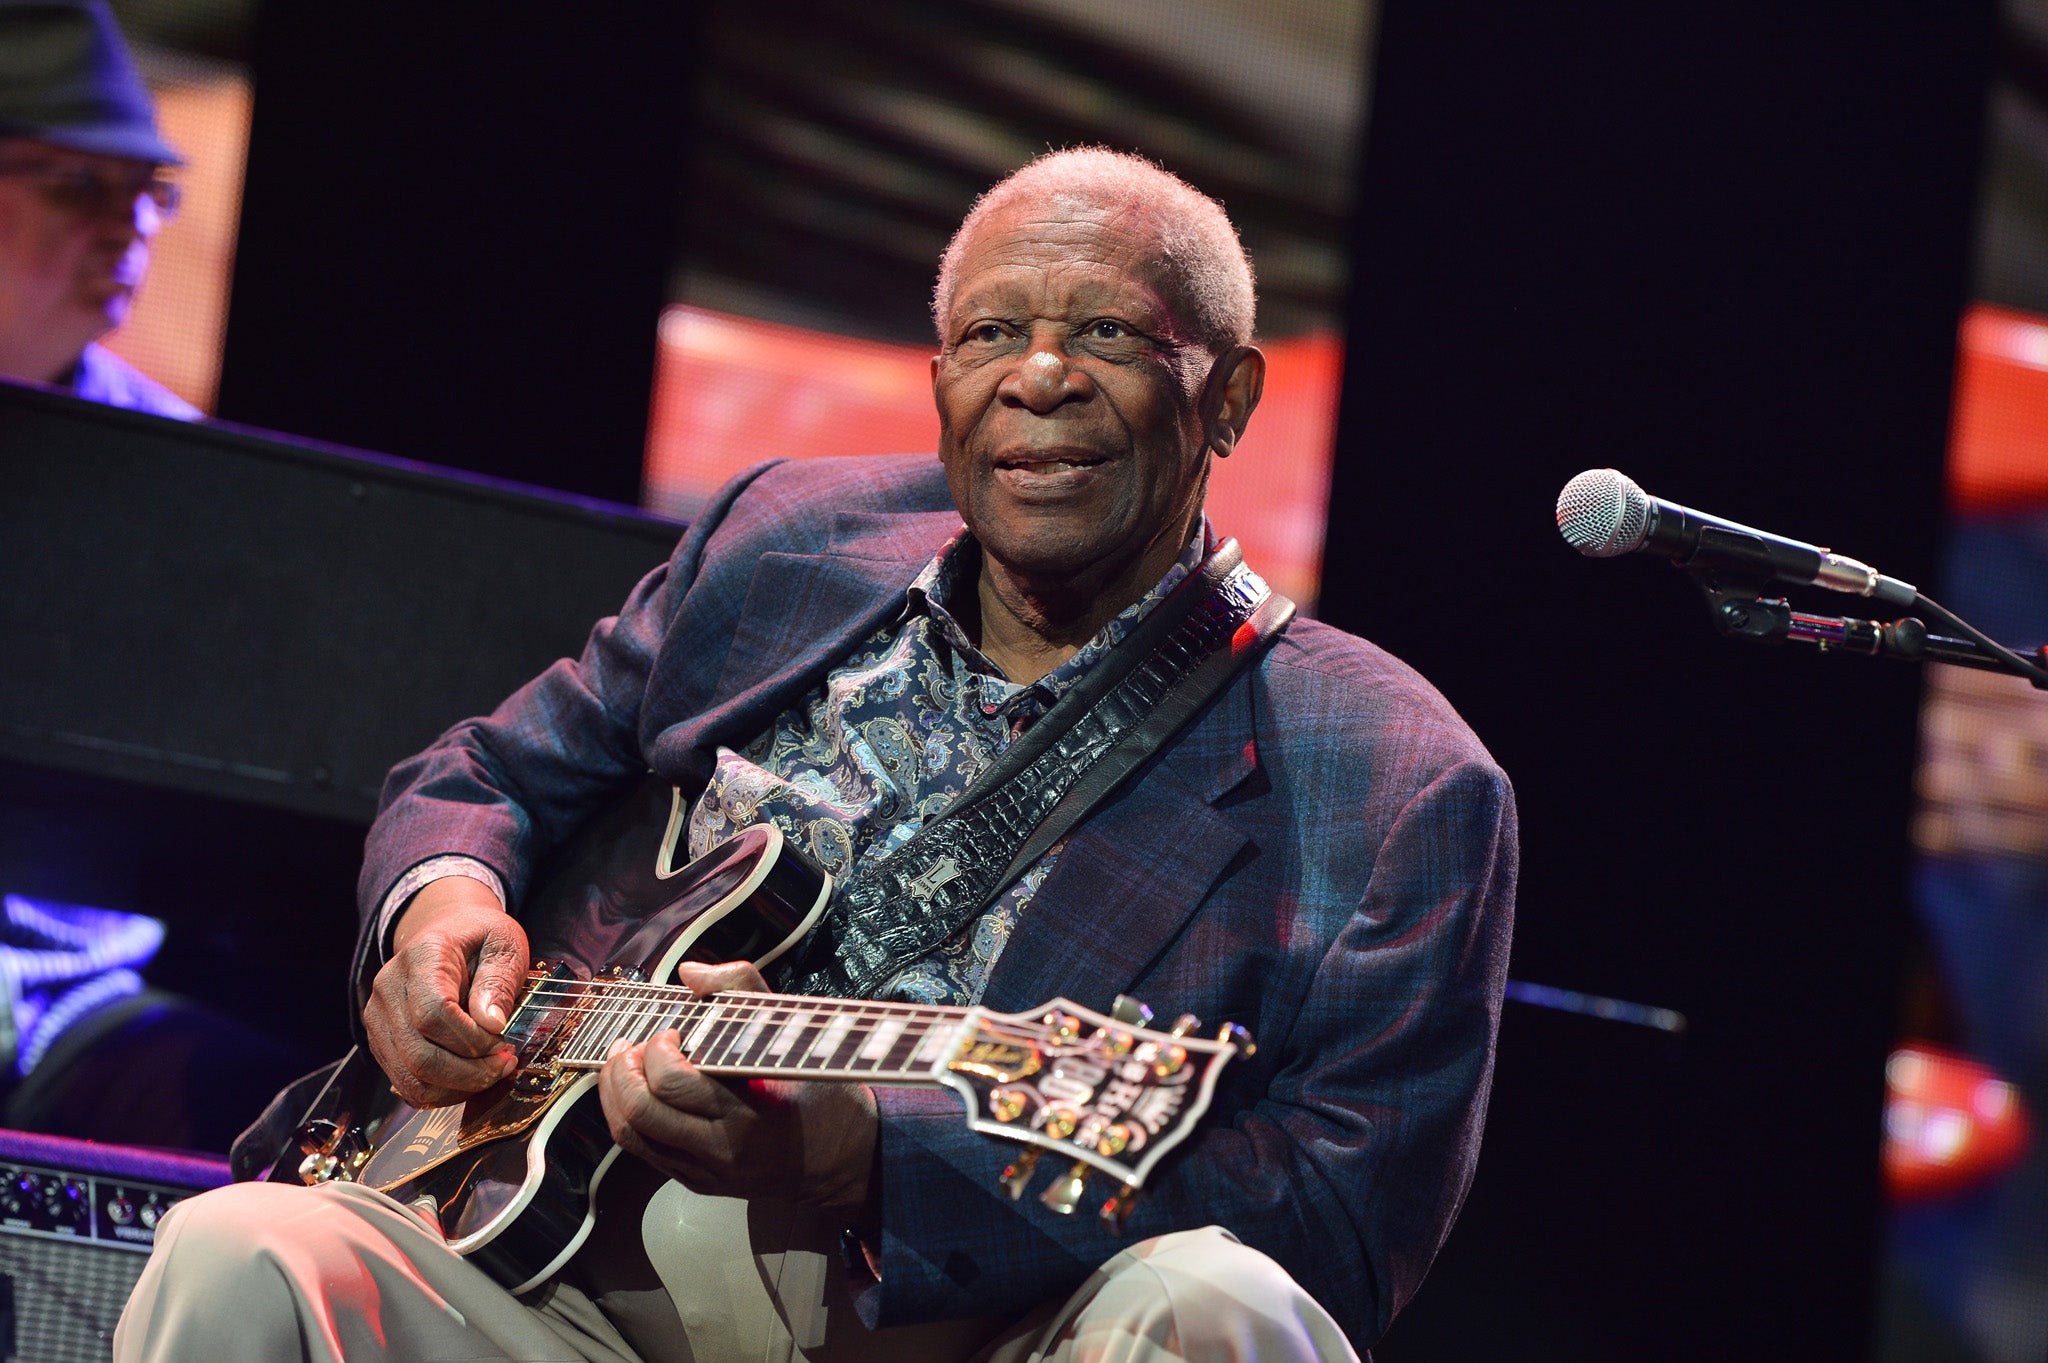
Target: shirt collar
[[937, 583]]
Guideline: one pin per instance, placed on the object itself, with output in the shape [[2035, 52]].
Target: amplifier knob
[[120, 1211], [151, 1214]]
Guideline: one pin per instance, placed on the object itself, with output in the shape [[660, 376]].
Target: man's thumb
[[500, 967]]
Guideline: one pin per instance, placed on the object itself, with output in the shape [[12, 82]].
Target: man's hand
[[787, 1140], [437, 1012]]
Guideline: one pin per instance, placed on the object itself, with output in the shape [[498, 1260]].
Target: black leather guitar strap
[[888, 913]]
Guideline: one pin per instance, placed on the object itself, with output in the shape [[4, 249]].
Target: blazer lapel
[[1132, 873], [804, 613]]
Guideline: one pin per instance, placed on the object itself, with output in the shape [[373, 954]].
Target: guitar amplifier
[[77, 1220]]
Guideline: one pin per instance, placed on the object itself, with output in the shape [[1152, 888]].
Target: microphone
[[1602, 514]]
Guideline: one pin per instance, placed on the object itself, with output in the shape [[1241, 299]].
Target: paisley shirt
[[891, 738]]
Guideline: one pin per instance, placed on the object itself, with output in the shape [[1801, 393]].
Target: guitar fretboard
[[744, 1034]]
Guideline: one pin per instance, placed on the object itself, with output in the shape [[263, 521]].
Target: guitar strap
[[885, 914]]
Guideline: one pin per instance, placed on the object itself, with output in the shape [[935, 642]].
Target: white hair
[[1210, 271]]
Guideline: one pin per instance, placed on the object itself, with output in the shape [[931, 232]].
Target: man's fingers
[[434, 990], [500, 974], [423, 1073], [718, 979], [670, 1077]]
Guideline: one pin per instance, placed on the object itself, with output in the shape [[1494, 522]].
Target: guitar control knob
[[1066, 1194]]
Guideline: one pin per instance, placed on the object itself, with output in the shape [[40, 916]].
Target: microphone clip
[[1740, 611]]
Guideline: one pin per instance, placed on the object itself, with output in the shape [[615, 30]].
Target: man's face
[[75, 230], [1067, 391]]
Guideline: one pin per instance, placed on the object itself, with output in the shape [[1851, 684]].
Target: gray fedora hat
[[67, 79]]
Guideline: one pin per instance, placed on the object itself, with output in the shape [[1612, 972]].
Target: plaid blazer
[[1326, 855]]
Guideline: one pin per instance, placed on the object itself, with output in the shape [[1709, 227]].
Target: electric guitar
[[512, 1174]]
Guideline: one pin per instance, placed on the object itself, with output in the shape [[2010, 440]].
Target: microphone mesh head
[[1602, 513]]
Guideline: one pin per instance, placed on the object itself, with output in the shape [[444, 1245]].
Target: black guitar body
[[511, 1174]]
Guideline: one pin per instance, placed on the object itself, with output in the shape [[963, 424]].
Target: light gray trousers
[[264, 1272]]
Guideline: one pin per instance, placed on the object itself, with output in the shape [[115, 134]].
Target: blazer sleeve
[[1350, 1164], [507, 787]]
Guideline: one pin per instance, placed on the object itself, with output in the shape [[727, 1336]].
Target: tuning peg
[[1118, 1209], [1237, 1036], [1130, 1012], [1017, 1177], [1066, 1194], [1185, 1024]]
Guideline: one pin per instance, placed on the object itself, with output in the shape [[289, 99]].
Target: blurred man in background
[[87, 1048], [84, 186]]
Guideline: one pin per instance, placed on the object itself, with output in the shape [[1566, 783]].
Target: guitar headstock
[[1110, 1093]]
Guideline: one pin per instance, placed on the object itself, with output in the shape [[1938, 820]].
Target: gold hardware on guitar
[[333, 1152], [1118, 1209], [1066, 1194], [1130, 1012], [536, 1078], [1016, 1176], [1007, 1105], [1185, 1025], [1235, 1035]]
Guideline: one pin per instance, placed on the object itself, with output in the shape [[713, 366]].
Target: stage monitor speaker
[[77, 1220], [244, 615]]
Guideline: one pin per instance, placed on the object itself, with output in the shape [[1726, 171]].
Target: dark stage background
[[1721, 248]]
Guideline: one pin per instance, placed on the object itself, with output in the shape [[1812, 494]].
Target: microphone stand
[[1740, 610]]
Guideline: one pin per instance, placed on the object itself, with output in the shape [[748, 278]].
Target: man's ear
[[1236, 380]]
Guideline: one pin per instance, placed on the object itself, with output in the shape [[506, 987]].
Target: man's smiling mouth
[[1048, 464]]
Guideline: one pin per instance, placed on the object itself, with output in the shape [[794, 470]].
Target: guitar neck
[[757, 1035]]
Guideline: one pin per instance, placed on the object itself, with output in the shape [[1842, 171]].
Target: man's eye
[[988, 333], [1106, 330]]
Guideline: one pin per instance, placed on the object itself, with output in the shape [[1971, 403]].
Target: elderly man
[[1322, 852], [83, 190]]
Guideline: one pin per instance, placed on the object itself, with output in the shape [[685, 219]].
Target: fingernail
[[616, 1047]]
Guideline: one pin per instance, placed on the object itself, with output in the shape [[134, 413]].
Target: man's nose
[[1044, 379]]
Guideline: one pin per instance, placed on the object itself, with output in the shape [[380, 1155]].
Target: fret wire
[[652, 1016], [609, 1009], [791, 1037], [612, 1020], [835, 1029], [618, 1016], [775, 1017], [744, 1026], [711, 1050]]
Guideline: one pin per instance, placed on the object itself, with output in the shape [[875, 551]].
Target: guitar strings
[[604, 1010]]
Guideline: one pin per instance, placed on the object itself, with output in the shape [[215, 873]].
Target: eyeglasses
[[90, 191]]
